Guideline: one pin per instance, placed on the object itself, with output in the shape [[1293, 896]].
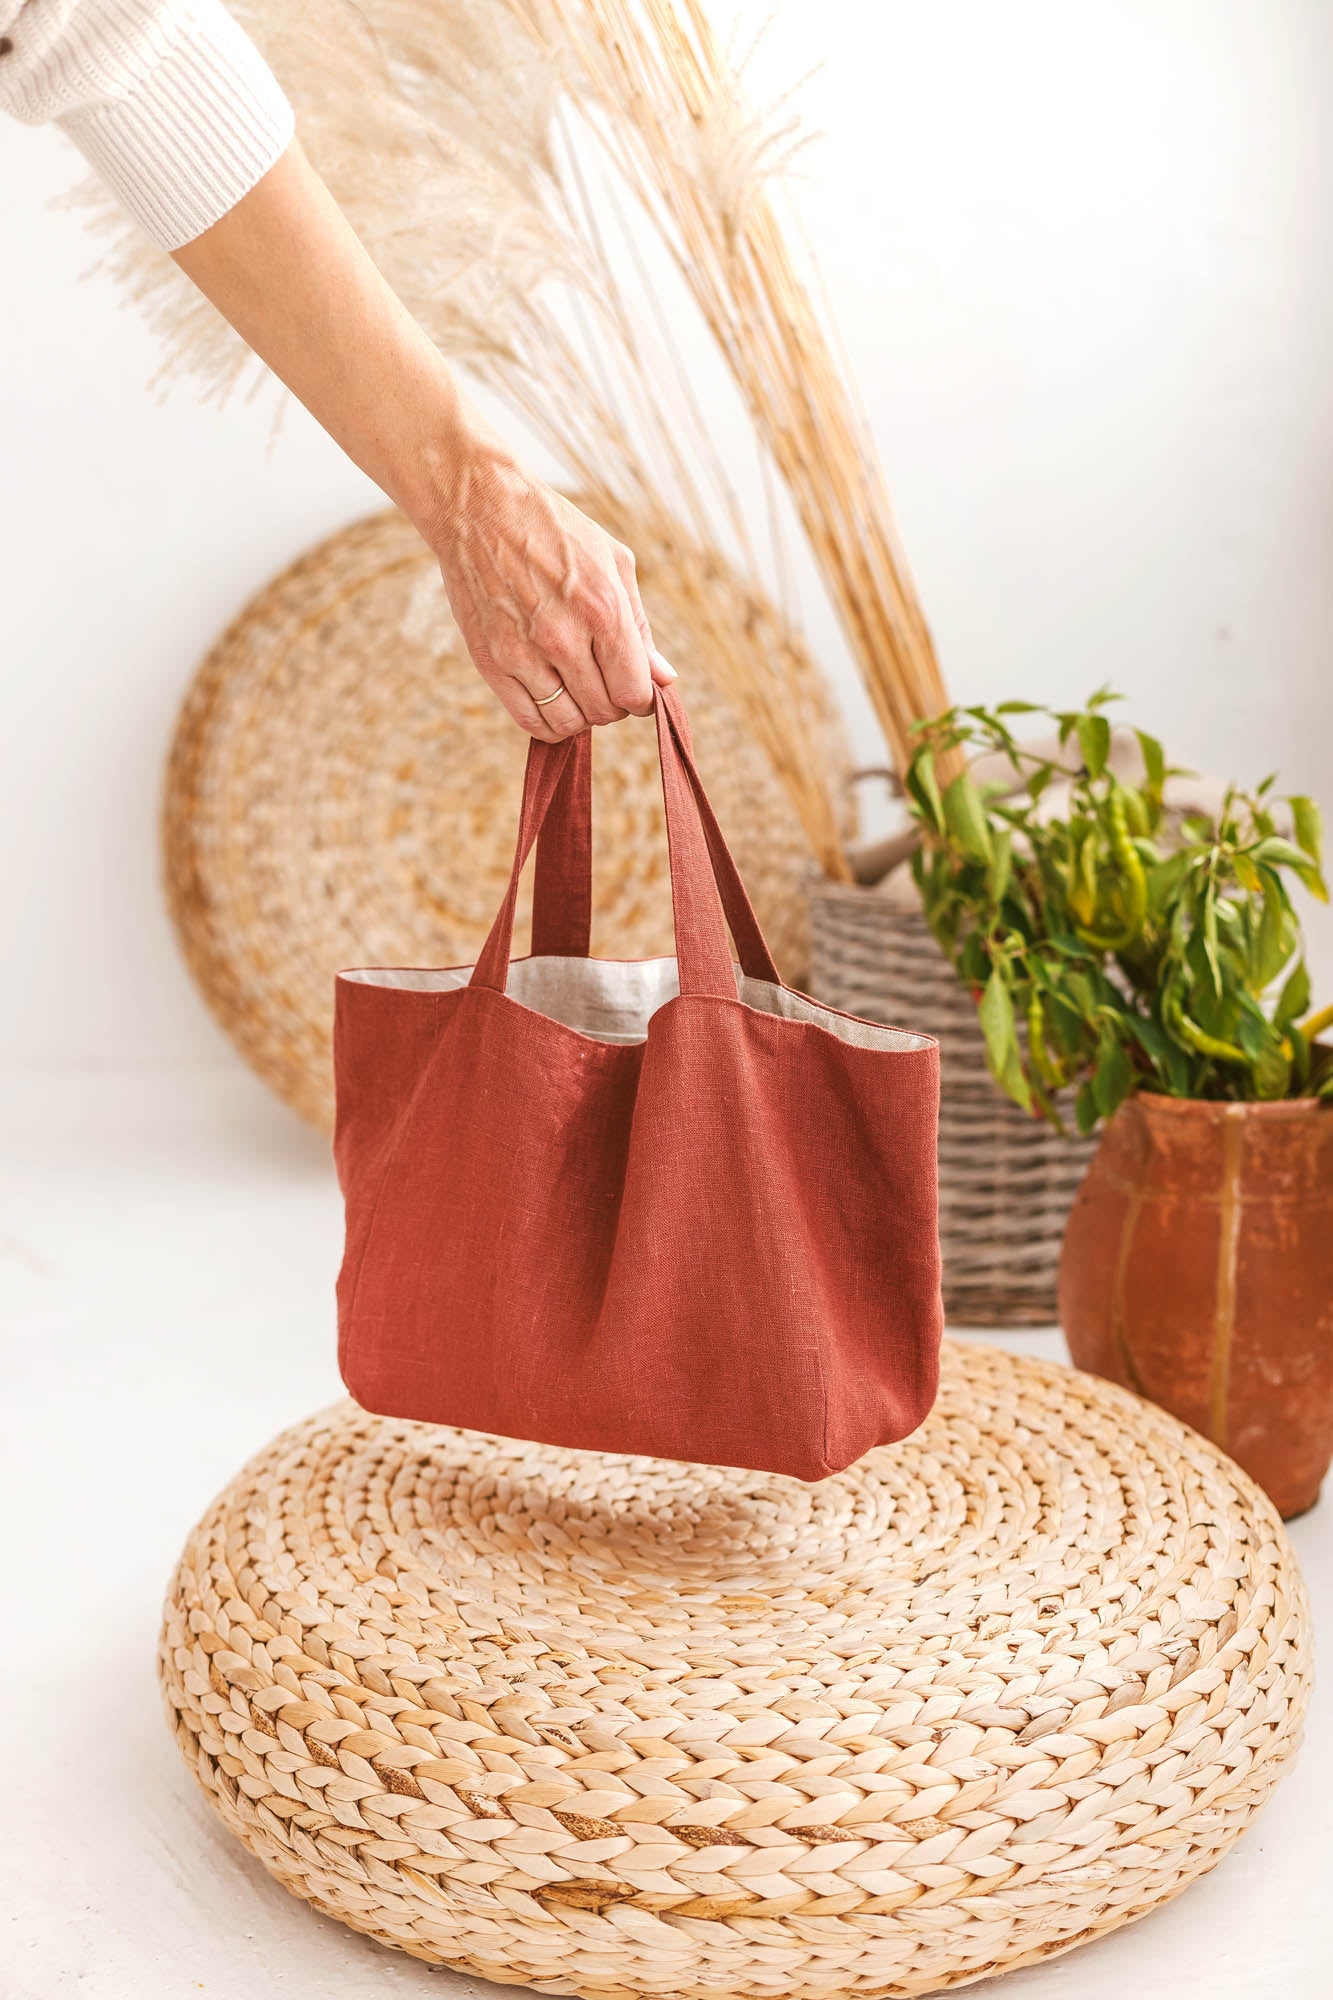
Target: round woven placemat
[[618, 1727], [343, 790]]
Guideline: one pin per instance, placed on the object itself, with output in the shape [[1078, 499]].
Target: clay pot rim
[[1157, 1104]]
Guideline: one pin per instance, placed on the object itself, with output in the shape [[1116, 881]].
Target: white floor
[[167, 1251]]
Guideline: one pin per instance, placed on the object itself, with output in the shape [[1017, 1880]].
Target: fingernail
[[665, 667]]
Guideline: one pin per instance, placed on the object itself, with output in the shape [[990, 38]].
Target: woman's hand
[[546, 601]]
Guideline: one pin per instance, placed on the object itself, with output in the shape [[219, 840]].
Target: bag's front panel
[[492, 1226], [777, 1252], [708, 1245]]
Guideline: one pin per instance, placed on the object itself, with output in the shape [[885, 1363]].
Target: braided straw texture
[[1007, 1180], [343, 790], [624, 1727]]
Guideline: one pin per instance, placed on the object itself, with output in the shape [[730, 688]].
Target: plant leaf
[[1272, 941], [965, 817], [1150, 1036], [1272, 1072], [1039, 780], [921, 776], [1154, 760], [996, 1014], [1094, 742], [1280, 853], [973, 960], [997, 1020], [1113, 1077], [1307, 822], [1210, 939], [1001, 867], [1253, 1034], [1294, 999], [1166, 1056], [1165, 876]]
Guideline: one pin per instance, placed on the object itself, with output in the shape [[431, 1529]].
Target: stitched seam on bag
[[929, 1043], [823, 1390], [580, 1035], [929, 1046]]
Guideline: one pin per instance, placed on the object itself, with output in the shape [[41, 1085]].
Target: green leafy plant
[[1110, 946]]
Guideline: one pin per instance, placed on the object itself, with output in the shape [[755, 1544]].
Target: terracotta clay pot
[[1197, 1269]]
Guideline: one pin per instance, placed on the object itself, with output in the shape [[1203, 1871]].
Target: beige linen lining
[[612, 1000]]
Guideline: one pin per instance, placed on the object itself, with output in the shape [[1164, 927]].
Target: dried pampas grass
[[672, 115], [500, 158]]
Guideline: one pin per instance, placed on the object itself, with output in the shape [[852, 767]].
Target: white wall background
[[1081, 262]]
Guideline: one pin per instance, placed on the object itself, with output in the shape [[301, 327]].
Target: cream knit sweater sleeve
[[169, 100]]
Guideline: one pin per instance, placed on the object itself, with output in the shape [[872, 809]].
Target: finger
[[621, 658], [555, 707], [502, 676], [511, 688], [561, 647], [629, 576], [661, 670], [518, 704], [582, 676]]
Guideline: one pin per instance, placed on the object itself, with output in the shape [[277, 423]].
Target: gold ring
[[549, 697]]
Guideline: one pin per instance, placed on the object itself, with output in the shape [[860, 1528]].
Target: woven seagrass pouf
[[621, 1727]]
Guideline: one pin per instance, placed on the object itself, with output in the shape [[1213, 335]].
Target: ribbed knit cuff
[[201, 120]]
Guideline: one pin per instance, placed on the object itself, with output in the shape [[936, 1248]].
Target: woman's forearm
[[289, 273], [545, 599]]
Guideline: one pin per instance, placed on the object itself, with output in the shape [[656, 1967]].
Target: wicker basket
[[617, 1727], [1006, 1180]]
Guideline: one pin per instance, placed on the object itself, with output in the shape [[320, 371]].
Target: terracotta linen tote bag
[[667, 1206]]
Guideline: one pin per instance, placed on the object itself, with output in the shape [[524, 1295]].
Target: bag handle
[[562, 884], [562, 892], [706, 889]]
